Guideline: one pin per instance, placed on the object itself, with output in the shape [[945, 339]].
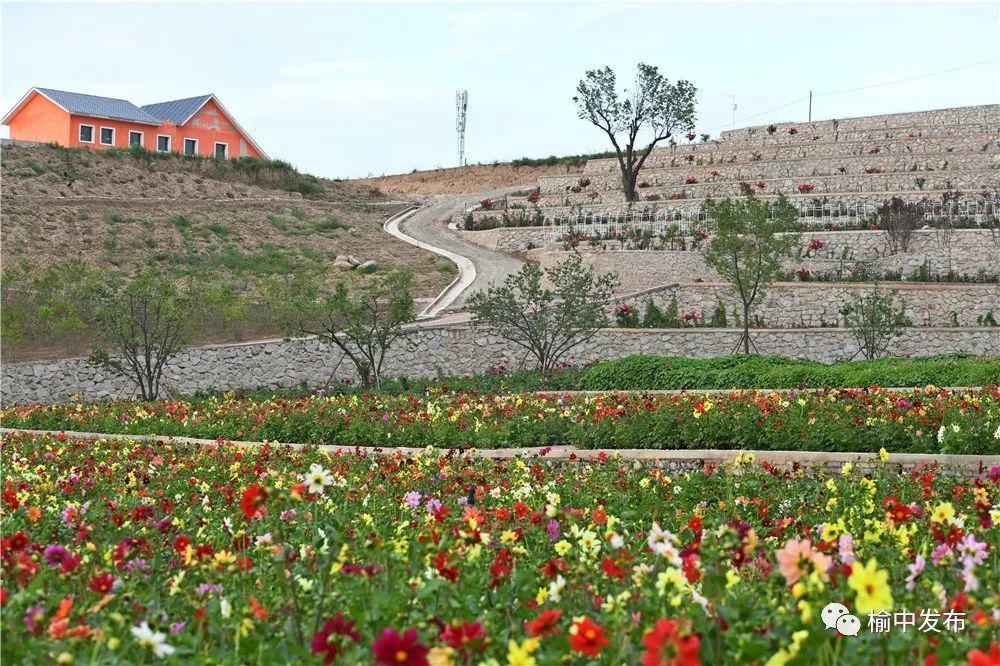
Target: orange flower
[[258, 611]]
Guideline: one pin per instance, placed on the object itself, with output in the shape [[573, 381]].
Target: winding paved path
[[478, 266]]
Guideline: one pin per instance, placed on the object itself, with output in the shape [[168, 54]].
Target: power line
[[912, 78], [873, 85]]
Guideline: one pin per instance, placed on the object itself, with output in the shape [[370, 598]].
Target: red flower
[[547, 623], [392, 649], [325, 641], [666, 647], [181, 543], [253, 498], [468, 638], [102, 583], [980, 658], [587, 637]]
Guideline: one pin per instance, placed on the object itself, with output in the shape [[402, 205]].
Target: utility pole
[[733, 97], [810, 106]]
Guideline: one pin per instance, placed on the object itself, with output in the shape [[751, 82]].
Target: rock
[[341, 262], [369, 266], [354, 260]]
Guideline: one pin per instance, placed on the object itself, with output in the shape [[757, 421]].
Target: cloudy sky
[[359, 89]]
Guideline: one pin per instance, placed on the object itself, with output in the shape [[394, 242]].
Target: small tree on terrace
[[146, 322], [751, 237], [363, 325], [874, 321], [900, 219], [546, 322], [656, 108]]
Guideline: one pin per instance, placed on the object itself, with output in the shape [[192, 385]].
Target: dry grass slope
[[122, 212]]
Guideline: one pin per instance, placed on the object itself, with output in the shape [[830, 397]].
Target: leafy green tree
[[363, 325], [146, 321], [40, 303], [547, 322], [874, 320], [655, 109], [751, 237]]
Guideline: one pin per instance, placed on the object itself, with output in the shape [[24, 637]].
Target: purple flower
[[55, 555], [969, 576], [33, 616], [177, 627], [206, 588], [553, 528], [970, 551], [941, 552], [412, 499], [433, 504]]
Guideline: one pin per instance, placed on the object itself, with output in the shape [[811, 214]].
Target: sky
[[351, 90]]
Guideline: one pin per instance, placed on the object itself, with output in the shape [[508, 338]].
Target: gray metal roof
[[100, 107], [176, 111]]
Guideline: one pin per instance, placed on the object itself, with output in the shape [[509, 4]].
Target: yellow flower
[[872, 587], [563, 547], [441, 656], [520, 655], [846, 468], [883, 455], [943, 513]]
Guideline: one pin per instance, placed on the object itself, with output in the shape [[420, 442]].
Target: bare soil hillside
[[122, 212], [460, 180]]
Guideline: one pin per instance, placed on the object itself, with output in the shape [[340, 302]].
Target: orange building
[[193, 126]]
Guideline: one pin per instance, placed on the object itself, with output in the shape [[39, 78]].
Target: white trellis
[[668, 221]]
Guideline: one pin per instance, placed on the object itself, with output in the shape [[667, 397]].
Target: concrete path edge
[[572, 453]]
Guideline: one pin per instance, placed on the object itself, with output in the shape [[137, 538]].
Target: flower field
[[920, 420], [118, 552]]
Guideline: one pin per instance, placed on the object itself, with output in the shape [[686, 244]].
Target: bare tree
[[900, 219], [656, 108], [363, 325], [146, 322], [548, 323]]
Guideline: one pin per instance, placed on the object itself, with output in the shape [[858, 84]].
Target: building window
[[87, 133], [163, 143], [190, 146], [135, 139], [108, 136], [222, 150]]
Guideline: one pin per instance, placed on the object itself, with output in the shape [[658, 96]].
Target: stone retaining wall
[[752, 172], [429, 352], [964, 115], [812, 304], [727, 153], [964, 251], [965, 181]]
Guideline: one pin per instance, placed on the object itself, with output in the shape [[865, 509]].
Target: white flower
[[154, 640], [996, 435], [225, 609], [940, 437], [317, 479], [556, 587], [662, 542]]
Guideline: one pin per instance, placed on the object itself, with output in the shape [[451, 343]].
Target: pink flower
[[796, 557], [915, 570]]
